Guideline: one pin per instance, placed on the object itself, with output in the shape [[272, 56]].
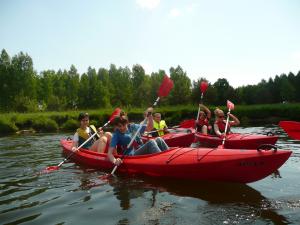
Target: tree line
[[22, 89]]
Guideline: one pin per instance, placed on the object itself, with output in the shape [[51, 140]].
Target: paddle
[[230, 107], [52, 168], [163, 91], [203, 87], [292, 128]]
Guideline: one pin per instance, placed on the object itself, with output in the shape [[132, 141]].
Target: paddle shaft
[[134, 136], [226, 126]]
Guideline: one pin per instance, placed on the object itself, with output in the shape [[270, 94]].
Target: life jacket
[[159, 127], [222, 125], [201, 123], [83, 136]]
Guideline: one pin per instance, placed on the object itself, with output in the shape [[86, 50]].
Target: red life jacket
[[222, 125]]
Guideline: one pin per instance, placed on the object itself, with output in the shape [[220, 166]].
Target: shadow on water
[[215, 194]]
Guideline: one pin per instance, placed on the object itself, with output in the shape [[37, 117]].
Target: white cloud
[[174, 12], [148, 4]]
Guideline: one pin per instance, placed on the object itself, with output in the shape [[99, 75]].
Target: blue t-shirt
[[123, 139]]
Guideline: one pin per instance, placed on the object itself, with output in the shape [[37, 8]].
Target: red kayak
[[211, 164], [292, 128], [235, 140], [183, 138]]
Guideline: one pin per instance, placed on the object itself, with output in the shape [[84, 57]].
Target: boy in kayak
[[220, 122], [124, 131], [202, 122], [98, 143], [159, 125]]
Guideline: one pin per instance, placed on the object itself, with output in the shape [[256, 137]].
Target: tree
[[181, 92], [5, 93]]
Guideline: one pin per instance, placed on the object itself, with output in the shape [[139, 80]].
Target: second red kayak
[[180, 139], [292, 128], [235, 140]]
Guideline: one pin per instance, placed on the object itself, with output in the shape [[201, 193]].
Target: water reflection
[[235, 199]]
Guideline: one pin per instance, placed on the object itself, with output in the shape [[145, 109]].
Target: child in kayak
[[220, 122], [123, 134], [98, 143], [202, 122], [159, 125]]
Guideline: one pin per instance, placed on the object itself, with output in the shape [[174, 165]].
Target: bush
[[7, 127], [70, 125], [44, 124]]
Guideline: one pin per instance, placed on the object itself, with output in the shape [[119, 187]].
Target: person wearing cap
[[100, 141]]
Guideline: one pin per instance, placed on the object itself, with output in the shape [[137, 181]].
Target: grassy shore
[[251, 115]]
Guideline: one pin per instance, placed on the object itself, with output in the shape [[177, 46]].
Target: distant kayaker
[[159, 125], [220, 122], [124, 131], [202, 122], [98, 143]]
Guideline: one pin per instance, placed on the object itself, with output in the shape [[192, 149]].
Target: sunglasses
[[221, 116]]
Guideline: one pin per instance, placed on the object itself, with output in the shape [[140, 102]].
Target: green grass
[[250, 115]]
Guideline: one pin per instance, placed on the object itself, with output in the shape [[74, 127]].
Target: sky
[[243, 41]]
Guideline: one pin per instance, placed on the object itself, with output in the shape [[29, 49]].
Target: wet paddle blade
[[49, 169], [115, 113], [292, 128], [203, 86], [165, 87]]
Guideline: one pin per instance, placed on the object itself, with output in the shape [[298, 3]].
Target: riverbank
[[250, 115]]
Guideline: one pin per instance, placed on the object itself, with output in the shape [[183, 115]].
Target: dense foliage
[[22, 89]]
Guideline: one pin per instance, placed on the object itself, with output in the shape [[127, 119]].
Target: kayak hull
[[207, 164], [180, 139], [292, 128], [236, 140]]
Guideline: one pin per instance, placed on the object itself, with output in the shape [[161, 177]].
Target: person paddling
[[202, 122], [99, 143], [220, 122], [124, 131], [159, 125]]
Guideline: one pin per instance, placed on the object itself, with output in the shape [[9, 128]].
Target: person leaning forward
[[124, 131]]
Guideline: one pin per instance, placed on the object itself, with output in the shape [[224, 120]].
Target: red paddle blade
[[230, 105], [187, 123], [49, 169], [203, 86], [292, 128], [114, 114], [165, 87]]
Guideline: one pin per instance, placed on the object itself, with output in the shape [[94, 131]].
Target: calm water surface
[[75, 195]]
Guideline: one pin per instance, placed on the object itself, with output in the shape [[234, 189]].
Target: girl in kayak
[[220, 122], [123, 134], [98, 143], [202, 122]]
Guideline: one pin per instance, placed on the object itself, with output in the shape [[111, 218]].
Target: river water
[[75, 195]]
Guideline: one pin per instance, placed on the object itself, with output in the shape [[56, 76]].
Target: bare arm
[[111, 157], [217, 130], [206, 110], [235, 121]]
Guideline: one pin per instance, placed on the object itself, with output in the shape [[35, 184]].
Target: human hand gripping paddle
[[230, 107], [163, 91], [52, 168]]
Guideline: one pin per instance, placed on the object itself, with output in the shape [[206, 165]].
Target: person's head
[[219, 114], [157, 117], [84, 118], [121, 122]]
